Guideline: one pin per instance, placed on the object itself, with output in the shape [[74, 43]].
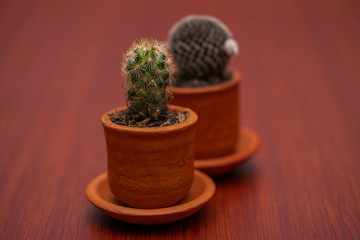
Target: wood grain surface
[[59, 72]]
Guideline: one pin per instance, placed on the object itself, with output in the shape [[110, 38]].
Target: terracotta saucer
[[100, 196], [247, 146]]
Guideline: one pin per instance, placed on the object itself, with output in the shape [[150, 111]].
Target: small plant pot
[[217, 130], [150, 167]]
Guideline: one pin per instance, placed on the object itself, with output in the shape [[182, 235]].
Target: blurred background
[[60, 71], [62, 45]]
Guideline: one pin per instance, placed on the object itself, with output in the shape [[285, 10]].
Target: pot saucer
[[99, 194], [247, 146]]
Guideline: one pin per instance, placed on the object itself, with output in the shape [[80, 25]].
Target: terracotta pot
[[217, 107], [150, 167]]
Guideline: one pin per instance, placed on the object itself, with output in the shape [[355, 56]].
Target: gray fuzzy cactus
[[148, 68], [202, 47]]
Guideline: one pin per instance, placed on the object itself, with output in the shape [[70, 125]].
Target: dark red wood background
[[59, 72]]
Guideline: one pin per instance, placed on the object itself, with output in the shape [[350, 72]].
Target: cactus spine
[[148, 70]]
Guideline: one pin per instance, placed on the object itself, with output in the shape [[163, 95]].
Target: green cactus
[[148, 70]]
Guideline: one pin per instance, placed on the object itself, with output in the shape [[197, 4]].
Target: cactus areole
[[147, 69]]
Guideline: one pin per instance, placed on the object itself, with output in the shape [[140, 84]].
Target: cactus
[[202, 47], [147, 67]]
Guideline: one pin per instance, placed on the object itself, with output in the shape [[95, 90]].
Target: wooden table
[[60, 71]]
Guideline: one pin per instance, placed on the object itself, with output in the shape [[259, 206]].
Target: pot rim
[[191, 118], [235, 79]]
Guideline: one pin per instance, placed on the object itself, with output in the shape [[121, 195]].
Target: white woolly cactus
[[202, 47]]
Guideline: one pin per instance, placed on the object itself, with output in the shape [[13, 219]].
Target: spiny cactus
[[202, 47], [148, 69]]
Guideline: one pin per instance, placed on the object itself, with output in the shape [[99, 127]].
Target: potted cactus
[[202, 47], [149, 143]]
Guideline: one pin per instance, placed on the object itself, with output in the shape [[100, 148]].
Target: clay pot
[[150, 167], [217, 107]]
